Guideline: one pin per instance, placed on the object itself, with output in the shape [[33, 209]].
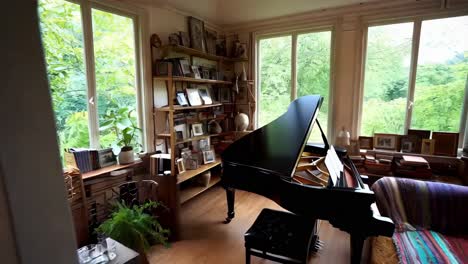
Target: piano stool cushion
[[281, 233]]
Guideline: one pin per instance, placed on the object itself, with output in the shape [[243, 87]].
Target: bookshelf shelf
[[190, 79], [192, 173], [181, 108], [105, 170], [192, 191], [193, 52]]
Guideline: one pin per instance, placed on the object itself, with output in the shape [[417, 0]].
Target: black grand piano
[[275, 161]]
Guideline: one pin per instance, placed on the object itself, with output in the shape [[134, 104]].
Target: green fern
[[134, 228]]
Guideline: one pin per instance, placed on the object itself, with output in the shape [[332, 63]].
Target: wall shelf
[[188, 174], [193, 52]]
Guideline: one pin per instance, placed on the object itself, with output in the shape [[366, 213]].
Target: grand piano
[[316, 182]]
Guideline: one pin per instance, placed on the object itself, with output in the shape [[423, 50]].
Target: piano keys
[[317, 182]]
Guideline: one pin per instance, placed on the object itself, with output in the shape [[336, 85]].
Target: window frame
[[293, 85], [86, 7], [415, 41]]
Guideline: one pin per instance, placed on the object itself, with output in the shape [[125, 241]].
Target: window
[[277, 83], [431, 100], [89, 89]]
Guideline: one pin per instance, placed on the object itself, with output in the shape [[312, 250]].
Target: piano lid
[[277, 146]]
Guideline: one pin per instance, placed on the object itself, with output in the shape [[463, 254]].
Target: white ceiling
[[229, 12]]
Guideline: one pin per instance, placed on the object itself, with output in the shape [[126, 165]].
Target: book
[[414, 161]]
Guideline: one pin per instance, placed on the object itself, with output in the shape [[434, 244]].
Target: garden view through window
[[441, 75], [113, 102], [313, 56]]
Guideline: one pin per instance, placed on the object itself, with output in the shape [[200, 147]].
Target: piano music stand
[[280, 236]]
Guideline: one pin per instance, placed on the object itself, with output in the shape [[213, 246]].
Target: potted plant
[[122, 123], [135, 228]]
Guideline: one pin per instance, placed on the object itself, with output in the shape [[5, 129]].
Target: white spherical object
[[241, 121]]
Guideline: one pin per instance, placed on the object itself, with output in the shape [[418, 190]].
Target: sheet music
[[334, 165]]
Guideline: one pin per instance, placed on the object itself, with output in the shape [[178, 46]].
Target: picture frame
[[186, 67], [205, 95], [203, 144], [420, 135], [179, 135], [181, 99], [106, 157], [180, 165], [208, 156], [221, 47], [193, 97], [197, 34], [409, 144], [225, 95], [174, 39], [184, 39], [354, 148], [241, 50], [427, 146], [196, 72], [210, 41], [386, 141], [205, 73], [161, 68], [366, 142], [197, 129], [446, 143], [182, 128]]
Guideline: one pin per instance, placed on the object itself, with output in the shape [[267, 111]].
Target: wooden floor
[[205, 239]]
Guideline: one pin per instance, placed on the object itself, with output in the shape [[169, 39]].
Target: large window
[[401, 92], [90, 88], [278, 85]]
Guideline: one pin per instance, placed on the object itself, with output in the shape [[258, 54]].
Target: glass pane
[[114, 53], [313, 73], [386, 78], [62, 38], [441, 74], [275, 78]]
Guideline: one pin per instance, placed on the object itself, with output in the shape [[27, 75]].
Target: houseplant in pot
[[123, 125], [135, 228]]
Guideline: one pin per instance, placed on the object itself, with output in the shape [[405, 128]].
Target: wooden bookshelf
[[181, 108], [188, 174], [192, 191], [190, 80]]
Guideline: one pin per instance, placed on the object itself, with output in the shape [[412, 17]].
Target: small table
[[125, 255]]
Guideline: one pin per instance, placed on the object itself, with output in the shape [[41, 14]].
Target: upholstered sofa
[[431, 222]]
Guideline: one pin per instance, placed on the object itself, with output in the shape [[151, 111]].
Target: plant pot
[[126, 157]]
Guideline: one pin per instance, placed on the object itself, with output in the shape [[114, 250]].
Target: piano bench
[[280, 236]]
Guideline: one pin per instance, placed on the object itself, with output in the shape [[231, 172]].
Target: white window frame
[[138, 16], [293, 84], [417, 24]]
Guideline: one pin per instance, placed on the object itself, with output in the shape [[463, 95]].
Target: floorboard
[[205, 239]]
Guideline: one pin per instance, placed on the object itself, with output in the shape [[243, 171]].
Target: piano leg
[[230, 195], [357, 243]]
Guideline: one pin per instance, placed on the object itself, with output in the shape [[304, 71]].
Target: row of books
[[89, 159]]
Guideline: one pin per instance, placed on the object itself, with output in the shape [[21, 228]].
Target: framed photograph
[[161, 68], [205, 74], [446, 143], [221, 48], [181, 99], [106, 157], [210, 41], [184, 39], [205, 95], [353, 148], [196, 72], [208, 156], [192, 163], [174, 39], [366, 142], [182, 128], [197, 129], [419, 135], [203, 144], [180, 165], [186, 67], [193, 97], [179, 135], [409, 144], [386, 141], [427, 146], [241, 50], [224, 95], [197, 33]]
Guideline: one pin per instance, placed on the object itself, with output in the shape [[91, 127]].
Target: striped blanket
[[431, 219]]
